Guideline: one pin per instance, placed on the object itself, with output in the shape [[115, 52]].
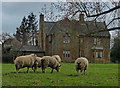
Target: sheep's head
[[36, 63], [43, 65], [58, 67], [34, 55], [79, 64]]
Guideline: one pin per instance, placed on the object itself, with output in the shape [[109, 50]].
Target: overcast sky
[[13, 12]]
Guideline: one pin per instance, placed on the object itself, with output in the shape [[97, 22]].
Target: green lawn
[[97, 75]]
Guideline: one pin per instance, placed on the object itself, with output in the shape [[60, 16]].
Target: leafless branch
[[105, 12], [113, 20]]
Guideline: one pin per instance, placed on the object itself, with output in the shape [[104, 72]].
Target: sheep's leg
[[52, 70], [35, 68], [84, 71], [77, 71], [27, 69], [17, 69], [32, 68], [80, 72]]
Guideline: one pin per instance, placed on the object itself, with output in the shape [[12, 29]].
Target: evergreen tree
[[115, 51], [27, 32], [32, 25], [22, 33], [17, 35]]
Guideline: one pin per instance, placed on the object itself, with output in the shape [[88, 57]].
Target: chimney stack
[[42, 33], [81, 17], [41, 17]]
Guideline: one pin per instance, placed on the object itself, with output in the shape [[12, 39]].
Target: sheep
[[57, 57], [25, 61], [81, 64], [48, 61], [38, 62]]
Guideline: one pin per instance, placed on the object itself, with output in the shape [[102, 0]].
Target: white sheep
[[81, 64], [25, 61], [48, 61], [57, 57], [38, 62]]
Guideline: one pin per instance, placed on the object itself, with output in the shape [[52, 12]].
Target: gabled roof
[[12, 42], [81, 27]]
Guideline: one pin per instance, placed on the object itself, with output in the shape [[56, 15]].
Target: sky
[[13, 13]]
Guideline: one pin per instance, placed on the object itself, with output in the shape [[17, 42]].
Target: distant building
[[12, 44], [29, 49], [68, 39]]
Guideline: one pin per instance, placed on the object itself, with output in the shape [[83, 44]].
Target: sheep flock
[[54, 62]]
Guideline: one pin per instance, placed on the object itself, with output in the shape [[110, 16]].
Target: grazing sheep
[[57, 57], [81, 64], [38, 62], [48, 61], [25, 61]]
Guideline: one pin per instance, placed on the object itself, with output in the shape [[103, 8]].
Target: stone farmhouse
[[72, 39]]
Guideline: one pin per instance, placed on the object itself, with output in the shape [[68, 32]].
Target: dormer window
[[66, 39], [97, 41]]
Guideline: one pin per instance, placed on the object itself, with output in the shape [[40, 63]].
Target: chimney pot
[[81, 17]]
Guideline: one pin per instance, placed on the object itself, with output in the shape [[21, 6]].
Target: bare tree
[[94, 11], [4, 37]]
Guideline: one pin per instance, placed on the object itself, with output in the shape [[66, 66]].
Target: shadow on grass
[[73, 75]]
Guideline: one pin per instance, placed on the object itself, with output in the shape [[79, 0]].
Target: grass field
[[97, 75]]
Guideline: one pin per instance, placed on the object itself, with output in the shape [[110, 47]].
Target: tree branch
[[105, 12], [110, 10], [113, 20]]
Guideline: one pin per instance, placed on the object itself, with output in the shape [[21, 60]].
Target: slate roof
[[81, 27], [30, 48]]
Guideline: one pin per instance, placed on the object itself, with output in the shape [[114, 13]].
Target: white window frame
[[66, 39], [97, 41], [66, 53], [99, 54]]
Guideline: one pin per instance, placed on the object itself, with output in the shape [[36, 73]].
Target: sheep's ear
[[60, 65]]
